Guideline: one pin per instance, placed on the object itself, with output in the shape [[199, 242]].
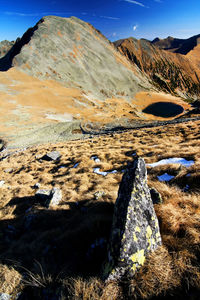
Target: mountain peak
[[73, 52]]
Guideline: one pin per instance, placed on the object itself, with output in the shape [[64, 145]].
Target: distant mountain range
[[5, 47], [172, 64], [75, 53], [182, 46]]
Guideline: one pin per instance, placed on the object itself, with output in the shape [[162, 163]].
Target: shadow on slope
[[56, 243], [6, 61]]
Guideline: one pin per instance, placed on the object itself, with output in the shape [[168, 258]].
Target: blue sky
[[116, 19]]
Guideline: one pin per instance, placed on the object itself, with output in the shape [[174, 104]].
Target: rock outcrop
[[49, 198], [135, 230]]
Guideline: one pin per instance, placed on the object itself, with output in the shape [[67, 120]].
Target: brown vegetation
[[51, 249]]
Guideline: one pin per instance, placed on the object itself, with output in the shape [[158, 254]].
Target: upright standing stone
[[135, 230]]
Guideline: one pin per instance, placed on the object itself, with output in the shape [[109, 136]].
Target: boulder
[[55, 197], [135, 229], [49, 198], [52, 156], [43, 195]]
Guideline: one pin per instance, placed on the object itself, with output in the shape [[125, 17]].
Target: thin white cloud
[[12, 13], [159, 1], [135, 2], [135, 27], [110, 18], [20, 14]]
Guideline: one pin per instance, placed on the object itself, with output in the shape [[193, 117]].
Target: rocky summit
[[75, 53], [135, 230]]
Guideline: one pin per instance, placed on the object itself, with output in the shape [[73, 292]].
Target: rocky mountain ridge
[[181, 46], [171, 72]]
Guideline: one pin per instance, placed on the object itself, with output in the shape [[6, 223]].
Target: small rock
[[98, 195], [4, 296], [9, 170], [54, 155], [43, 194], [95, 158], [49, 197], [1, 183], [55, 197], [156, 196], [36, 186]]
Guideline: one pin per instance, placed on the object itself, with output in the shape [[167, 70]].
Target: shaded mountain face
[[73, 52], [171, 72], [5, 47], [182, 46]]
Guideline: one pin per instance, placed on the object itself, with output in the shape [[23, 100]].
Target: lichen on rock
[[135, 229]]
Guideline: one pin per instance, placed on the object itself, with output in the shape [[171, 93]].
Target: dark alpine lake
[[164, 109]]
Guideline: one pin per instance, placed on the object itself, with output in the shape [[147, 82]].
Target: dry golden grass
[[28, 104], [9, 279], [60, 239]]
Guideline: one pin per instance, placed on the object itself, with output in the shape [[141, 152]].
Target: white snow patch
[[165, 177], [113, 172], [97, 171], [58, 117], [173, 160]]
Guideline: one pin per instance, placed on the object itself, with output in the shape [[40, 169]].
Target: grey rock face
[[54, 155], [135, 230]]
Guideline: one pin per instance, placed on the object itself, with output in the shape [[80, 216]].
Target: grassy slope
[[56, 247]]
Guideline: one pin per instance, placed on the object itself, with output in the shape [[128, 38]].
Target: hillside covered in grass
[[57, 253]]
